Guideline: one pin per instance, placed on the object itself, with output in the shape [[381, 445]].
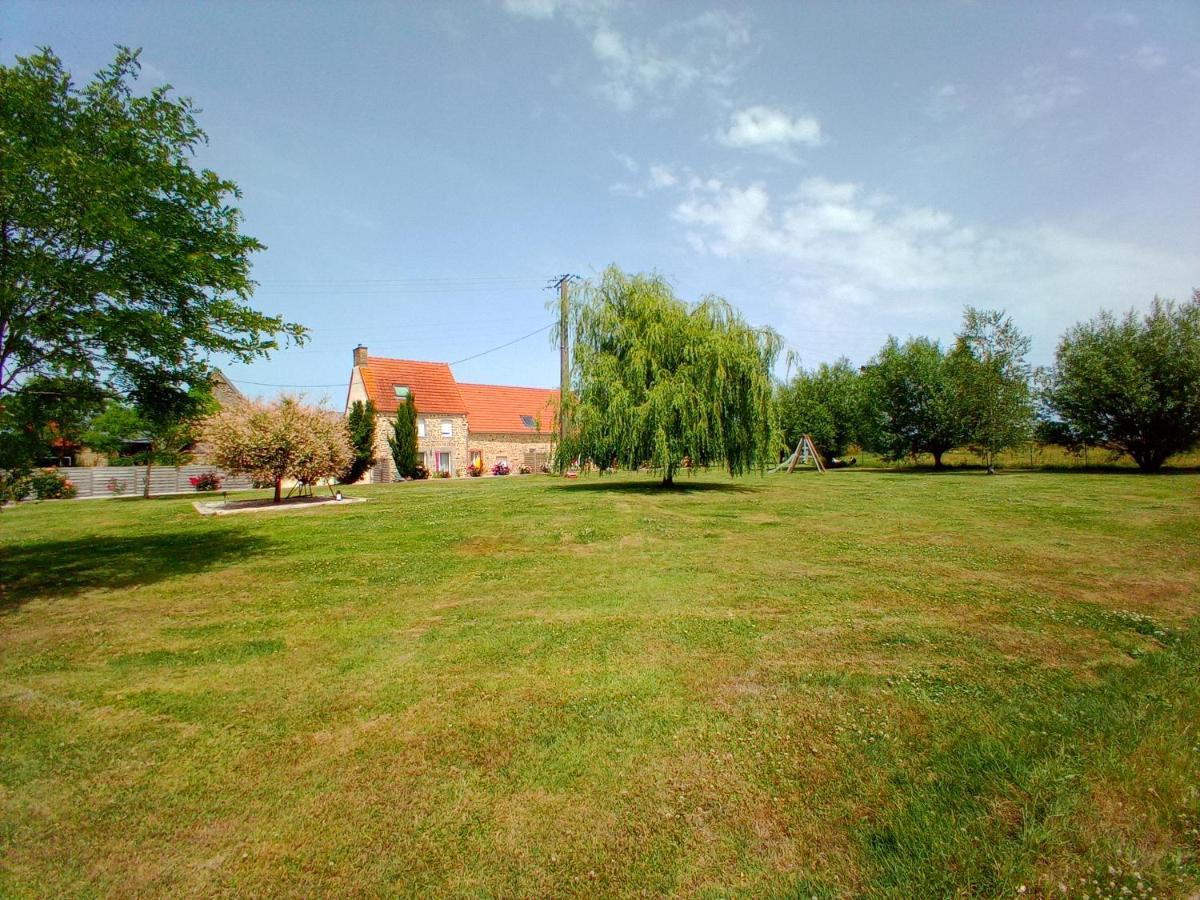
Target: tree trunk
[[278, 490], [146, 487], [669, 477], [937, 459], [1149, 460]]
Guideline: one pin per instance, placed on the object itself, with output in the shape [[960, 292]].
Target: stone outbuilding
[[457, 424]]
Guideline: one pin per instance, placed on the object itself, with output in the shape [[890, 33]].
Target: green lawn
[[883, 683]]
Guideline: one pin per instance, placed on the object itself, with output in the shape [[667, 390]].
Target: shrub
[[51, 484], [206, 481], [115, 485], [475, 469], [15, 485], [525, 470], [501, 469], [420, 472]]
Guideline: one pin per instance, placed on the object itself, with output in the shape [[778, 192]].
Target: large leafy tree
[[914, 401], [403, 439], [117, 254], [360, 424], [280, 440], [989, 365], [659, 381], [825, 403], [1132, 384]]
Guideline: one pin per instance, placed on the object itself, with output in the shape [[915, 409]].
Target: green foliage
[[914, 402], [988, 363], [826, 403], [51, 484], [117, 252], [166, 418], [658, 381], [44, 411], [1132, 385], [403, 439], [15, 485], [361, 426]]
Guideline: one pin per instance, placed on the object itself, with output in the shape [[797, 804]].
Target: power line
[[523, 337], [546, 327]]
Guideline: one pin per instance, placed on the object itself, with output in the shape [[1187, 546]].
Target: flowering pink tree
[[274, 441]]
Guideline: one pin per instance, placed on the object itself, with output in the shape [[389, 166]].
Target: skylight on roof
[[401, 391], [528, 422]]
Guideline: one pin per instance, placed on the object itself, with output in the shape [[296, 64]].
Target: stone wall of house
[[433, 442], [512, 447]]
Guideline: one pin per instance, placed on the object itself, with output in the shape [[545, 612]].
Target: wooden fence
[[130, 481]]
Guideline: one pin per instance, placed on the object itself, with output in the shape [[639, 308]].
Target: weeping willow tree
[[657, 381]]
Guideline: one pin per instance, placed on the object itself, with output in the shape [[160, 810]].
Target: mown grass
[[868, 683]]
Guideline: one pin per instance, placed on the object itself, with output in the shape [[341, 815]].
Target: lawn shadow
[[64, 568], [655, 486]]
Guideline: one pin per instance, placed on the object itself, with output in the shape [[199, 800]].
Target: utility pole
[[563, 283]]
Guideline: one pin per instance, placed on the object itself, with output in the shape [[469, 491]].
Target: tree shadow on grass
[[64, 568], [680, 486]]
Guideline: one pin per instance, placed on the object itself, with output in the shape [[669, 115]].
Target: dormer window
[[529, 422], [401, 391]]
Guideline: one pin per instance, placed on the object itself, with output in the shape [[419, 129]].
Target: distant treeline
[[1129, 384]]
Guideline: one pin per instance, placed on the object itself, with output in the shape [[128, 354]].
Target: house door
[[442, 461]]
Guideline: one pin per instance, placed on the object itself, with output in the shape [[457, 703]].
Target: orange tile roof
[[432, 384], [497, 408]]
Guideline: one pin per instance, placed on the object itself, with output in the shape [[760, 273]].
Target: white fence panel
[[130, 481]]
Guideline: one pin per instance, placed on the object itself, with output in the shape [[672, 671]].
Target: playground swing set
[[805, 453]]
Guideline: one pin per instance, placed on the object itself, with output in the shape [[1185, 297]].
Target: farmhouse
[[458, 424]]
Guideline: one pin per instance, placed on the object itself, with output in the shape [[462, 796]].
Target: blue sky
[[838, 171]]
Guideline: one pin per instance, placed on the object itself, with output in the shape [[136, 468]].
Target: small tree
[[271, 442], [993, 377], [360, 425], [1132, 385], [914, 403], [403, 439], [825, 403], [660, 381], [165, 416]]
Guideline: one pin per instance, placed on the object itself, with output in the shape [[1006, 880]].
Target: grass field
[[868, 683]]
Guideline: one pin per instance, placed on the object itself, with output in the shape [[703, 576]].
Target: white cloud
[[662, 177], [838, 244], [1040, 91], [1148, 57], [945, 100], [627, 161], [625, 189], [633, 70], [704, 51], [767, 128], [533, 9]]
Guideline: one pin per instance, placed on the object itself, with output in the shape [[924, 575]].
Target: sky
[[841, 172]]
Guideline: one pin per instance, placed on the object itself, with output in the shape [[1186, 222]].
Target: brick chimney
[[360, 355]]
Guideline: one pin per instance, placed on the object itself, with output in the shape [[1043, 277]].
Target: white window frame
[[447, 428], [420, 428]]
